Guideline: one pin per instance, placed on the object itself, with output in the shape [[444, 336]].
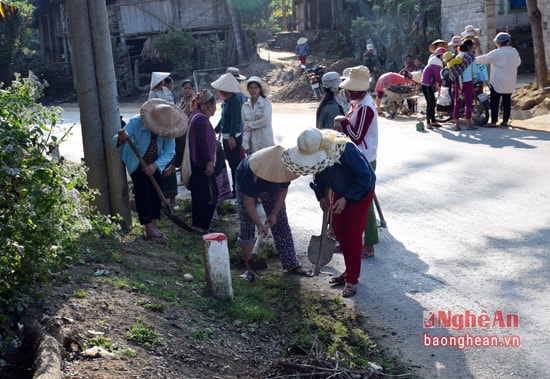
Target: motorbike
[[315, 77], [480, 106]]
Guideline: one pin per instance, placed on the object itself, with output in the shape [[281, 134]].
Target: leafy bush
[[211, 48], [177, 46], [44, 202]]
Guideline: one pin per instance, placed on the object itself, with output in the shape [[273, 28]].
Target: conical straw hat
[[157, 77], [227, 83], [268, 164], [164, 119]]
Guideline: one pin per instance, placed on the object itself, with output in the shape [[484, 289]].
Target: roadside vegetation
[[59, 257]]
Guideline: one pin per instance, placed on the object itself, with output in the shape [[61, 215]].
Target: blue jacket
[[302, 50], [141, 136], [352, 178]]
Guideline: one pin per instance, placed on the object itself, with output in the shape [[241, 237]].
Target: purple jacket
[[202, 140], [432, 73]]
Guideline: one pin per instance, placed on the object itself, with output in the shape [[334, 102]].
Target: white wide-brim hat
[[254, 79], [163, 118], [358, 80], [316, 150], [345, 73], [455, 41], [236, 73], [158, 77], [226, 83], [267, 164], [301, 40], [438, 41], [469, 31]]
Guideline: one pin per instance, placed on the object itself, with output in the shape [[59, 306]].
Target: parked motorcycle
[[315, 78], [480, 107]]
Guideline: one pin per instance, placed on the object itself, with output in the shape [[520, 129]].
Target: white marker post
[[218, 273]]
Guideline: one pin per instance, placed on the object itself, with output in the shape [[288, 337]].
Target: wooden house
[[135, 24]]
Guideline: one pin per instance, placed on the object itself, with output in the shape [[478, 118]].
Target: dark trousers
[[429, 94], [148, 202], [170, 186], [233, 156], [506, 105], [204, 197]]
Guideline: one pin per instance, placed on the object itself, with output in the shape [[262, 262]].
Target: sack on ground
[[444, 98]]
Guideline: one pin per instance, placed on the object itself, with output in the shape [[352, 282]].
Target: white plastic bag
[[444, 98]]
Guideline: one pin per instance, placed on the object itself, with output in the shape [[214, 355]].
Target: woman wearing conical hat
[[263, 176], [230, 124], [153, 132], [336, 163]]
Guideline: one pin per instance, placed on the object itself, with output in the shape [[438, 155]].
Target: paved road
[[468, 217]]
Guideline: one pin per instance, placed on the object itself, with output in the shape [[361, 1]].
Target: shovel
[[256, 262], [321, 247], [380, 214], [168, 211]]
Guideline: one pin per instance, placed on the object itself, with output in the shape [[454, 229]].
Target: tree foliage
[[396, 27], [177, 46], [44, 202]]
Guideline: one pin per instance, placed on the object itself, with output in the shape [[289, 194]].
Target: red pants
[[303, 59], [348, 227]]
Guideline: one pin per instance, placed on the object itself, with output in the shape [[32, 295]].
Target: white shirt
[[504, 68], [369, 145], [257, 130]]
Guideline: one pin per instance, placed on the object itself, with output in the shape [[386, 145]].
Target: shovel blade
[[257, 263], [322, 246]]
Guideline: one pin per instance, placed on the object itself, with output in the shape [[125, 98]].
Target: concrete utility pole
[[236, 26], [541, 69], [98, 103]]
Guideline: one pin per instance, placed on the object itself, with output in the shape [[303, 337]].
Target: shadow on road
[[391, 290]]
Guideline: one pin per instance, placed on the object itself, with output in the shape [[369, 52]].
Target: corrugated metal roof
[[147, 17]]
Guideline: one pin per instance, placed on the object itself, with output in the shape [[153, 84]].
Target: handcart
[[396, 94]]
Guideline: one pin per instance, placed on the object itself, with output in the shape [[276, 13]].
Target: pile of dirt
[[299, 89], [528, 99]]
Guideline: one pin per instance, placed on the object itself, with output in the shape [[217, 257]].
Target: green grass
[[80, 294], [100, 341], [144, 333], [310, 322]]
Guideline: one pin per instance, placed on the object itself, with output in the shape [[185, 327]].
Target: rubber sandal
[[248, 276], [505, 124], [349, 290], [367, 254], [339, 280], [436, 125], [300, 271]]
